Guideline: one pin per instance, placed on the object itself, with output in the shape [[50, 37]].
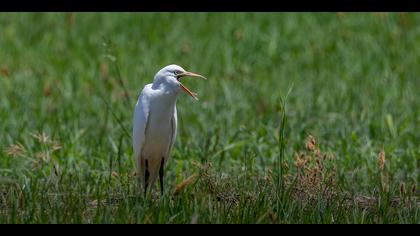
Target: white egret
[[155, 123]]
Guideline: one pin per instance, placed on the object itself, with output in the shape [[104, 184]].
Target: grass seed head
[[40, 156], [41, 137], [310, 143], [381, 160], [44, 139], [299, 161], [114, 174], [267, 178], [402, 189], [315, 179], [55, 146], [15, 150]]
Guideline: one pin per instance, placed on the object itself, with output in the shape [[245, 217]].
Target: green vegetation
[[69, 83]]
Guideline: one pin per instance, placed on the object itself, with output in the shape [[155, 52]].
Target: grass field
[[342, 147]]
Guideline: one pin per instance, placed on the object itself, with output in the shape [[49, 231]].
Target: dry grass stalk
[[114, 174], [4, 71], [381, 160], [314, 180], [223, 191], [184, 184]]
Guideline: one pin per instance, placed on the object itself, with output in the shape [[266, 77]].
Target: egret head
[[170, 76]]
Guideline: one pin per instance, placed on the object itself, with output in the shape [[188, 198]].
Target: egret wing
[[173, 134], [140, 119]]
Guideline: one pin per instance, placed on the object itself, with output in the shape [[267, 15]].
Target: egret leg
[[161, 174], [146, 178]]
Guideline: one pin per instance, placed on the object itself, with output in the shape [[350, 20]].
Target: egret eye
[[176, 74]]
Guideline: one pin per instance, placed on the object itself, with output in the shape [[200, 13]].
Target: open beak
[[185, 89]]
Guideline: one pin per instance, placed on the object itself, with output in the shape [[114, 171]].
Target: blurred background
[[75, 77]]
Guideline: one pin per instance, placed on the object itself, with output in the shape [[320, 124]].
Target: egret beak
[[185, 89], [190, 74]]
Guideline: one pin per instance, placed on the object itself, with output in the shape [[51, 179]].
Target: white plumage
[[155, 123]]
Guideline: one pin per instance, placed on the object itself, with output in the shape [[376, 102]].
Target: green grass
[[353, 82]]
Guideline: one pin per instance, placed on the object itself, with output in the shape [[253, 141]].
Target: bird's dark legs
[[146, 178], [161, 174]]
